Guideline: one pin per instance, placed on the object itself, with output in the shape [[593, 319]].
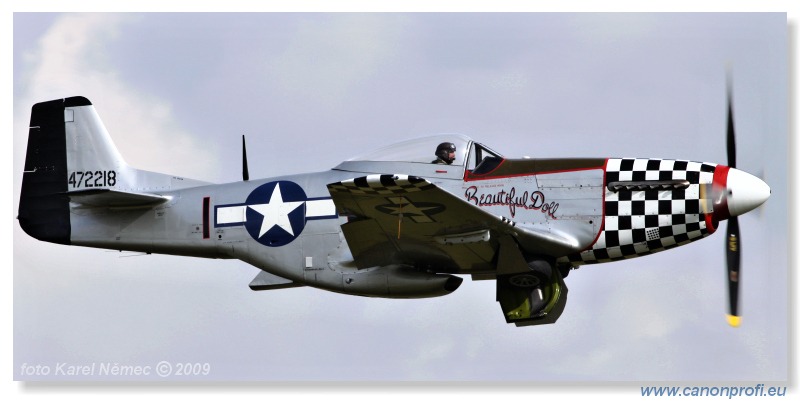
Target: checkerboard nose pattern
[[640, 219]]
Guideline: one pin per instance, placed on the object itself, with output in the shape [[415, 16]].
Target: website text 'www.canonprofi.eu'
[[759, 390]]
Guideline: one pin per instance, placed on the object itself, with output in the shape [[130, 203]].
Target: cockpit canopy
[[418, 157], [420, 150]]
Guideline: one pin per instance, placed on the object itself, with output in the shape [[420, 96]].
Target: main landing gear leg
[[530, 290]]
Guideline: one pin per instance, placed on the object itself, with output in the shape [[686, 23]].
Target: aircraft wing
[[407, 219]]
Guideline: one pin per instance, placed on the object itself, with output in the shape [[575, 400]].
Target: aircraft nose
[[745, 192]]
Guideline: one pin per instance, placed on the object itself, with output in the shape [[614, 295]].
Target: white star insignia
[[276, 212]]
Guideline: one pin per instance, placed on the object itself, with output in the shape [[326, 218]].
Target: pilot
[[445, 154]]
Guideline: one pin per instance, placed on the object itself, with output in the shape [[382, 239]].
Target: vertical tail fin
[[89, 147], [71, 158], [69, 149]]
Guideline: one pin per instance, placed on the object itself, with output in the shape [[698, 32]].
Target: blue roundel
[[276, 213]]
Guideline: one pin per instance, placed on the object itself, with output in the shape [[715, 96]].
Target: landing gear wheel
[[527, 280], [538, 276]]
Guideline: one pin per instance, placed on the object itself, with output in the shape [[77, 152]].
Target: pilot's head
[[446, 152]]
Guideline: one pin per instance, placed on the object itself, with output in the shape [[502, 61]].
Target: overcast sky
[[176, 92]]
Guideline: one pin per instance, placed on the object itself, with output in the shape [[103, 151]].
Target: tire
[[528, 280], [538, 277]]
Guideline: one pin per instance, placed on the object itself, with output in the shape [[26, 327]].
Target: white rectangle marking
[[320, 208], [231, 215]]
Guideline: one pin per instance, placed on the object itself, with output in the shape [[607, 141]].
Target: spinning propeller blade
[[733, 243]]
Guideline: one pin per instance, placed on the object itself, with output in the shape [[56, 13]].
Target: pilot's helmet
[[443, 151]]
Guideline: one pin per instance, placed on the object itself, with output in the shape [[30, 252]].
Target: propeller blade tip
[[734, 321]]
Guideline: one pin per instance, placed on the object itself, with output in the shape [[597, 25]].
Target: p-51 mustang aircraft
[[392, 223]]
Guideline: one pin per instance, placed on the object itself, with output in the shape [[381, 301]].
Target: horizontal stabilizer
[[267, 281], [115, 198]]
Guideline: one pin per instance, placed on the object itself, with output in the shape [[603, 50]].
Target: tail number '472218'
[[92, 179]]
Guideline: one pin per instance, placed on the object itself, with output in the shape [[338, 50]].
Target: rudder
[[44, 205]]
